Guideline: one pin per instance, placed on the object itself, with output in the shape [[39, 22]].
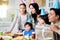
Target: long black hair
[[23, 5], [30, 24], [35, 5]]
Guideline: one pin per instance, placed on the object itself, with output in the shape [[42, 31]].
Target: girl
[[34, 11], [43, 19], [20, 18], [42, 26], [28, 29]]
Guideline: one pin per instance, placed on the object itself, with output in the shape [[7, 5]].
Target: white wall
[[13, 5], [47, 5], [12, 8]]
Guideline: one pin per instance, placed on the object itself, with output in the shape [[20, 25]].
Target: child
[[28, 29], [41, 27], [43, 20]]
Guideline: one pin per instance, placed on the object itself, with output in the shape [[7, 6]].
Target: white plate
[[6, 36], [49, 38]]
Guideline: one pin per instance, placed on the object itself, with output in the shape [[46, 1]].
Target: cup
[[1, 33]]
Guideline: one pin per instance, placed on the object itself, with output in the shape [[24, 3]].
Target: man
[[54, 17]]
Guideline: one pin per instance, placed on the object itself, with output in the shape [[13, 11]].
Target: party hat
[[21, 1], [33, 1], [56, 5], [43, 11]]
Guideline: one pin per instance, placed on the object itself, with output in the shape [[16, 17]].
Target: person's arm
[[13, 23], [23, 32]]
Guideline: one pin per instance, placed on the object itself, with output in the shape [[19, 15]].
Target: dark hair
[[45, 18], [57, 11], [30, 24], [35, 5], [24, 5]]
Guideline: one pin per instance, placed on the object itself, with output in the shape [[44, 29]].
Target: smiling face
[[41, 21], [22, 8], [32, 9], [52, 16], [27, 27]]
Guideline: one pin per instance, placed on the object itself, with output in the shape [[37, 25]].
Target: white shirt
[[19, 21], [58, 25], [23, 21]]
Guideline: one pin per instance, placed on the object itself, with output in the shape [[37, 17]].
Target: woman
[[54, 18], [20, 18], [34, 11]]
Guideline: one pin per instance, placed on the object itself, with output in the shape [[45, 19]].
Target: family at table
[[37, 18]]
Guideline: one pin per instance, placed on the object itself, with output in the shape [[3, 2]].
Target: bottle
[[33, 35], [1, 38]]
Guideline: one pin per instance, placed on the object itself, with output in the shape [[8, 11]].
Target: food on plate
[[6, 38], [9, 34], [19, 38]]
